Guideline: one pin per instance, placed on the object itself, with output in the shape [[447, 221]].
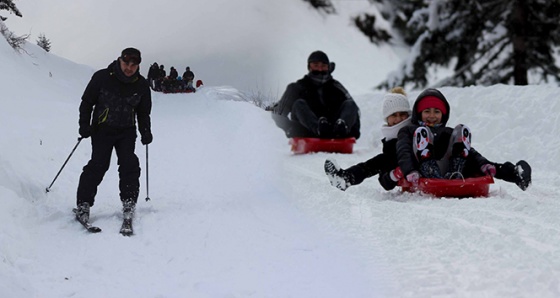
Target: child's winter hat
[[395, 101], [431, 101], [431, 98]]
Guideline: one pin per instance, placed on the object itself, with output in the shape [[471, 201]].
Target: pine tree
[[44, 42], [489, 42], [397, 13], [10, 7]]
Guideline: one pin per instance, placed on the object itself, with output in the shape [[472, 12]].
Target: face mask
[[318, 72], [319, 77]]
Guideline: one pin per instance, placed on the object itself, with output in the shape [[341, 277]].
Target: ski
[[126, 228], [89, 227]]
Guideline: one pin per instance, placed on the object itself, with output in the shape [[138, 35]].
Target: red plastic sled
[[308, 145], [455, 188]]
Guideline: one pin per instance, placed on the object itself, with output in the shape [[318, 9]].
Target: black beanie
[[131, 53], [318, 56]]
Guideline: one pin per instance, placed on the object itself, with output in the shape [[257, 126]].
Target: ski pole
[[79, 140], [147, 183]]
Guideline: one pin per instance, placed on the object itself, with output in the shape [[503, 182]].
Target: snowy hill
[[235, 214]]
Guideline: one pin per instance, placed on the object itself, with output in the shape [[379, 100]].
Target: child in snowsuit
[[396, 112], [427, 148]]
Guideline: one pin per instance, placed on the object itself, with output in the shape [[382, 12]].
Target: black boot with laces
[[338, 177]]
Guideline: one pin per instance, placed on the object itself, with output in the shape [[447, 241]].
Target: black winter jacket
[[442, 136], [324, 99], [116, 101], [188, 75]]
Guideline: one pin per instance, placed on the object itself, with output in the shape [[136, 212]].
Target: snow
[[234, 214]]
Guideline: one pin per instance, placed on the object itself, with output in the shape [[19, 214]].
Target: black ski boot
[[128, 213], [128, 209], [82, 212]]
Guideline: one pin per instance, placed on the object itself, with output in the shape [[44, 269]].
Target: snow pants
[[102, 143]]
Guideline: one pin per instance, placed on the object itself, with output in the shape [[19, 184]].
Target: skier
[[116, 95], [318, 105]]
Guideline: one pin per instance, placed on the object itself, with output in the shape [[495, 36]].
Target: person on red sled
[[427, 148], [318, 105], [396, 112]]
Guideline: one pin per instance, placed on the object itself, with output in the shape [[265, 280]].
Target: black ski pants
[[102, 143]]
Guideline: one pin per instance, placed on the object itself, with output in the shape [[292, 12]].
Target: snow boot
[[460, 146], [422, 149], [340, 129], [338, 177], [523, 174]]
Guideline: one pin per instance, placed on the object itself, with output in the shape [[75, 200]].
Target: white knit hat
[[395, 102]]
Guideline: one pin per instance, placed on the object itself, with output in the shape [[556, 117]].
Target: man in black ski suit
[[318, 105], [117, 96]]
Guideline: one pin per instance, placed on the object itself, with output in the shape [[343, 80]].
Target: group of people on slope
[[417, 143], [160, 81]]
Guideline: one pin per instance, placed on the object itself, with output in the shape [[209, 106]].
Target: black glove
[[146, 137], [85, 131]]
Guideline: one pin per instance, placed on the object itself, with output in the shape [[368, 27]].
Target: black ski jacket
[[116, 101]]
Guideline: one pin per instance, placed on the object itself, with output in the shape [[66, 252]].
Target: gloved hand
[[146, 137], [413, 177], [85, 131], [396, 174], [488, 169]]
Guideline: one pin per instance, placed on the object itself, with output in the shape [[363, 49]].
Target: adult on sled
[[116, 96], [427, 148], [317, 105], [396, 113]]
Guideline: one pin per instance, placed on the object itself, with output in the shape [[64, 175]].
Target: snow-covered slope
[[234, 214]]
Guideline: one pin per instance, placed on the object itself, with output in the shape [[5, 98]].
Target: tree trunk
[[519, 24]]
